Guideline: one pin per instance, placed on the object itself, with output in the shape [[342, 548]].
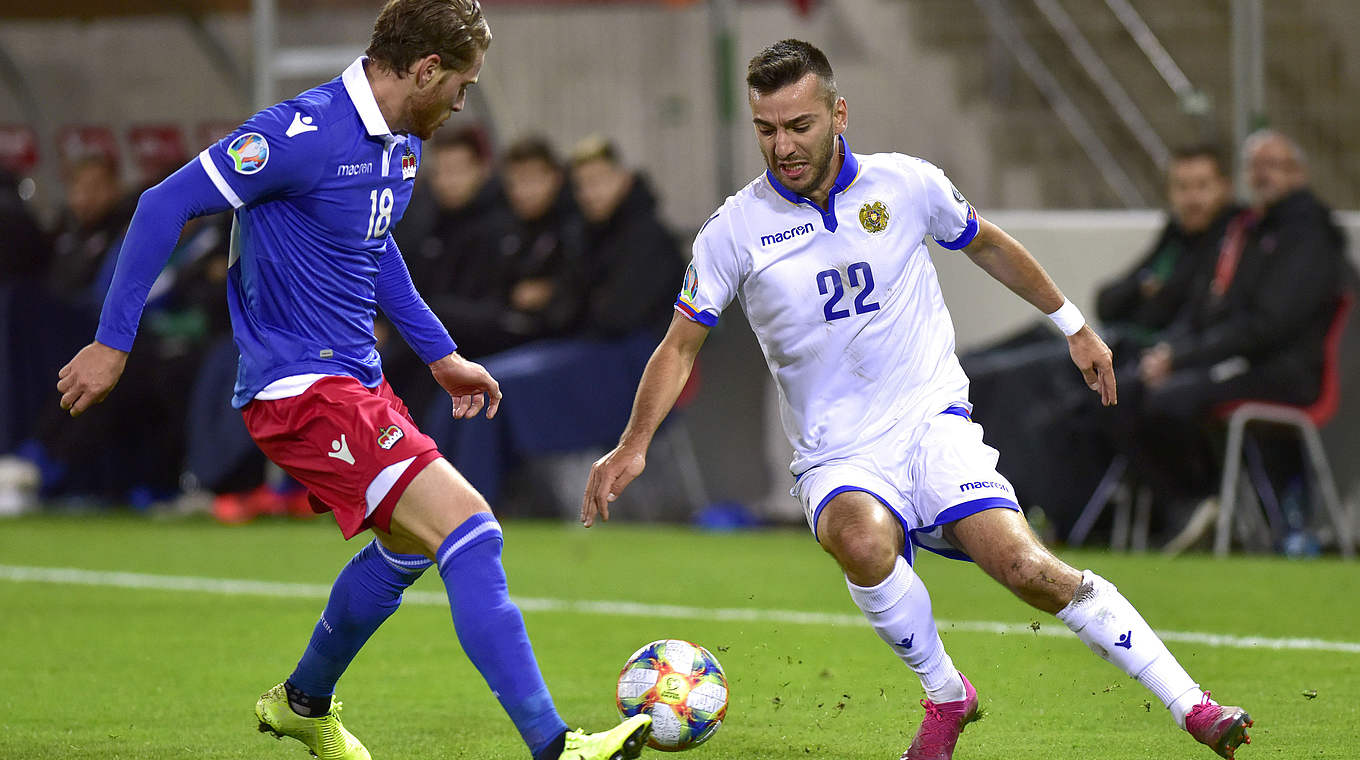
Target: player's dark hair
[[1211, 151], [408, 30], [531, 148], [786, 62]]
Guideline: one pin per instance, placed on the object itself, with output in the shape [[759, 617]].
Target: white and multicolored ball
[[681, 685]]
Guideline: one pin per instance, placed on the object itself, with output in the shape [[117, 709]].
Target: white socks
[[1103, 619], [899, 609]]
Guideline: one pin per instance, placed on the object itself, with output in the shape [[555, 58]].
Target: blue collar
[[845, 178]]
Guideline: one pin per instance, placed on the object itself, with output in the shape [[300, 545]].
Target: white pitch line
[[233, 587]]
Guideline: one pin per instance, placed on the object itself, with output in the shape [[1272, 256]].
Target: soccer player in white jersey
[[824, 251], [317, 182]]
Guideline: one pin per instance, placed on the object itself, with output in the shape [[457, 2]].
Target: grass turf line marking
[[233, 587]]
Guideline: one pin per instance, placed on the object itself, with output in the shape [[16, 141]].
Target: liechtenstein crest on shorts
[[409, 163], [873, 216], [388, 436], [249, 152]]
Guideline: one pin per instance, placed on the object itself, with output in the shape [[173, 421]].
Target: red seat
[[1307, 419], [1323, 409]]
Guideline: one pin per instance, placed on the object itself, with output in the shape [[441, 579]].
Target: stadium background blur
[[1003, 95]]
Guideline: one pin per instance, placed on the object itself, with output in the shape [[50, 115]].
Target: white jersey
[[846, 304]]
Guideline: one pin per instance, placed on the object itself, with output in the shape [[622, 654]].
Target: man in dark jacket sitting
[[1253, 329]]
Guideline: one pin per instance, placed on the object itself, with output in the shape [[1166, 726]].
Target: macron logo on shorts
[[340, 450], [984, 484]]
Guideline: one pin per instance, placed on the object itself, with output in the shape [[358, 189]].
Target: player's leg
[[867, 541], [442, 513], [1001, 543], [366, 592]]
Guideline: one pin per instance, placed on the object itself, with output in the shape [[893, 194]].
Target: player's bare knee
[[867, 557], [434, 504]]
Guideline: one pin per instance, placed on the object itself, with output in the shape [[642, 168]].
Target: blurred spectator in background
[[1253, 329], [453, 250], [546, 246], [97, 212], [25, 252], [24, 257], [457, 262], [1134, 309], [574, 393], [130, 450], [632, 261]]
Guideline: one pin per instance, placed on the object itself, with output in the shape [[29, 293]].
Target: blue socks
[[367, 592], [491, 631]]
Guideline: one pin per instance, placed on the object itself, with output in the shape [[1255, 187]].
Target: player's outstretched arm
[[1007, 261], [162, 212], [665, 376], [469, 385]]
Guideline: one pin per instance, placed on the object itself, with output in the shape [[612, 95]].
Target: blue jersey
[[316, 183]]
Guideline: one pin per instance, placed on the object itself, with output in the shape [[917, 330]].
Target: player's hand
[[1095, 361], [89, 376], [470, 386], [609, 475]]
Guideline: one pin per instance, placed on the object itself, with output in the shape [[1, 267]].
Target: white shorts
[[929, 475]]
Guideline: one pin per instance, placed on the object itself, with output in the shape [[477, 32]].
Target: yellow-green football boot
[[623, 742], [325, 736]]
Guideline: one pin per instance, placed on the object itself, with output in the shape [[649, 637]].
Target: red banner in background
[[18, 148], [156, 150], [77, 141], [210, 132]]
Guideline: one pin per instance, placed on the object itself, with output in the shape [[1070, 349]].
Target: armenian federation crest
[[873, 217]]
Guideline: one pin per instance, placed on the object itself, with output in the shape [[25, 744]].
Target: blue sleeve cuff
[[969, 232], [114, 338]]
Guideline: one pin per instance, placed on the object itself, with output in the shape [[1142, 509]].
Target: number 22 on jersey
[[829, 283], [379, 212]]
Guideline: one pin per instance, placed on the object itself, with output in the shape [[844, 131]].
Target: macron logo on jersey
[[300, 124], [789, 234]]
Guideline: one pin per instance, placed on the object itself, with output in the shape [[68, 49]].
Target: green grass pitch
[[104, 670]]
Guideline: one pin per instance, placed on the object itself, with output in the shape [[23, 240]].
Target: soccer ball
[[681, 685]]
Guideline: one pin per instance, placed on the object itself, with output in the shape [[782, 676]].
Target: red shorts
[[354, 448]]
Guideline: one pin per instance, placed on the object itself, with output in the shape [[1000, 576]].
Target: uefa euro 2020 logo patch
[[873, 217], [250, 152], [690, 290], [388, 436]]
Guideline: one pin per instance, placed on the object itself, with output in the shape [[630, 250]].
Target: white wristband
[[1068, 318]]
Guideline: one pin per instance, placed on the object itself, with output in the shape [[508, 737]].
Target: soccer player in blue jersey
[[317, 183]]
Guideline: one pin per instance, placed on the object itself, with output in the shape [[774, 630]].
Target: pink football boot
[[942, 725], [1222, 728]]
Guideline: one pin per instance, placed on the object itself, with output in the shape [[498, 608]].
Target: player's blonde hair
[[408, 30]]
